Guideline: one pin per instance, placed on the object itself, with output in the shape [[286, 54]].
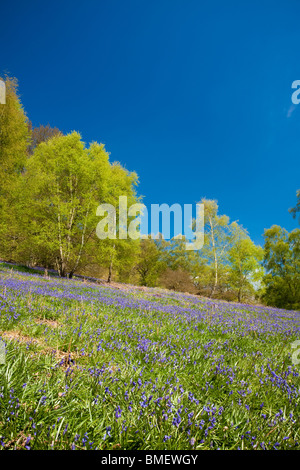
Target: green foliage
[[282, 263], [217, 236], [174, 253], [212, 267], [14, 136], [119, 255], [296, 209], [150, 264], [245, 266], [14, 140], [63, 184]]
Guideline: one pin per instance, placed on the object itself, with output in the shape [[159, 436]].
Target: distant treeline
[[50, 187]]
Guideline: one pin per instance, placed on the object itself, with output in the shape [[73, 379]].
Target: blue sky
[[194, 96]]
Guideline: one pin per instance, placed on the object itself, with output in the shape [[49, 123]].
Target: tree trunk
[[215, 258], [110, 271], [111, 265], [61, 267]]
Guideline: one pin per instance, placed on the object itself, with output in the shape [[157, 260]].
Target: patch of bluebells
[[170, 336]]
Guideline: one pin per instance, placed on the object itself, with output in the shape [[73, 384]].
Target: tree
[[174, 253], [177, 279], [119, 254], [150, 265], [296, 209], [63, 185], [14, 135], [118, 257], [212, 258], [245, 266], [41, 134], [178, 262], [282, 263], [14, 141]]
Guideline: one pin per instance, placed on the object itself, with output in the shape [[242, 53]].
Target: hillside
[[91, 366]]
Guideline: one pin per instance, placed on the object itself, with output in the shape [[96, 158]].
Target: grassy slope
[[90, 367]]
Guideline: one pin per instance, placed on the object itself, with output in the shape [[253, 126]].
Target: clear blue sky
[[194, 96]]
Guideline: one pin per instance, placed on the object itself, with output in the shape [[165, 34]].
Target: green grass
[[89, 367], [18, 268]]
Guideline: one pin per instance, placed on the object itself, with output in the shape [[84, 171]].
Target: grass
[[93, 367], [18, 268]]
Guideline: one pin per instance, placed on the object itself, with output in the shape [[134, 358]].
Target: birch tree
[[63, 184], [217, 239], [14, 140]]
